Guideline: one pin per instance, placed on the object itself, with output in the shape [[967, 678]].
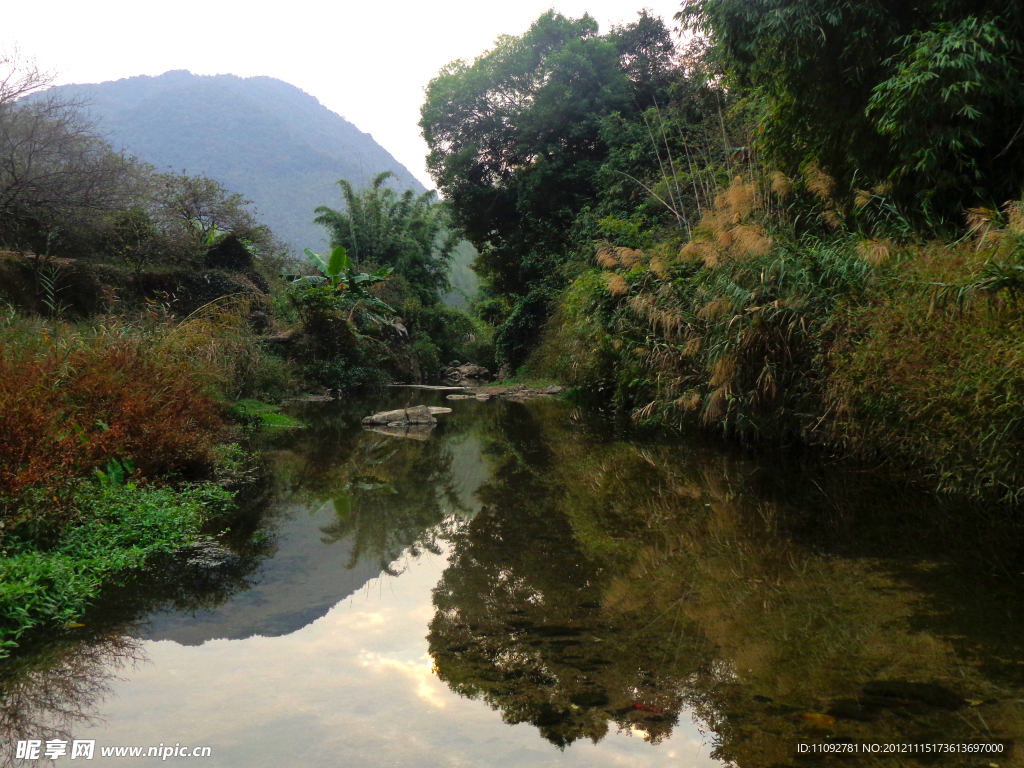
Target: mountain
[[272, 142]]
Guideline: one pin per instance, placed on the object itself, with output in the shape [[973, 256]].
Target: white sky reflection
[[354, 688]]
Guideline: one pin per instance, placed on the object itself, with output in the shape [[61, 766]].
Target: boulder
[[418, 414], [468, 373]]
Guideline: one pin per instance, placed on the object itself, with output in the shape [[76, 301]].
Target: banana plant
[[338, 276], [337, 273]]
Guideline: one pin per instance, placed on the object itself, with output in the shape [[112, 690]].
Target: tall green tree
[[408, 232], [516, 146], [927, 95]]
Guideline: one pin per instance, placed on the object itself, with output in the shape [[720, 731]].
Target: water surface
[[533, 586]]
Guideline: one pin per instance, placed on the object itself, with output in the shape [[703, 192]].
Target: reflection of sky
[[353, 688]]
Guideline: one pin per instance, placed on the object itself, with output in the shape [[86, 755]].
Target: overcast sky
[[367, 60]]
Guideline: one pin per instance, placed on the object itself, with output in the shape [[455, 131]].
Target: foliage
[[929, 374], [195, 213], [442, 334], [339, 346], [134, 238], [729, 328], [262, 414], [119, 527], [926, 97], [560, 135], [338, 276], [71, 402], [906, 354], [56, 176], [405, 233]]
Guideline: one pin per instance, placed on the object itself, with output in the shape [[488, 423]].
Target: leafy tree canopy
[[928, 96], [407, 232], [516, 140]]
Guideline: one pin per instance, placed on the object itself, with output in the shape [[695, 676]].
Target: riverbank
[[116, 446], [557, 585], [899, 352]]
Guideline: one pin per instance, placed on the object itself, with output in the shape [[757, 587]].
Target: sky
[[368, 61]]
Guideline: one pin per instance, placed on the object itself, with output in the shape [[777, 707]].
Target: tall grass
[[725, 331], [791, 317]]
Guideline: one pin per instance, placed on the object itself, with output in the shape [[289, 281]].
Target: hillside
[[260, 136]]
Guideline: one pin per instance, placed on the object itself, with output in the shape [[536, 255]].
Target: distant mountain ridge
[[269, 140]]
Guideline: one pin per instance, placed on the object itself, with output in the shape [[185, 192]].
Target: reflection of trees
[[519, 620], [614, 582], [47, 696], [392, 495]]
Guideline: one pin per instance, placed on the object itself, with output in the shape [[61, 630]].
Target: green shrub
[[118, 529]]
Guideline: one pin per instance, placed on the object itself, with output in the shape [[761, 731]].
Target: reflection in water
[[519, 620], [620, 597], [61, 690], [614, 582]]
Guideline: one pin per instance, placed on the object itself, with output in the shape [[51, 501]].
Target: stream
[[535, 585]]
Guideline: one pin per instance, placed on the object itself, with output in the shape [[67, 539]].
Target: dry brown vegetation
[[850, 336]]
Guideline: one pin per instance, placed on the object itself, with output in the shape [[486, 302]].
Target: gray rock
[[468, 373], [207, 558], [418, 414]]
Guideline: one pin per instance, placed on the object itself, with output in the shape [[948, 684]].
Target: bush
[[931, 374], [70, 402], [117, 529], [885, 349]]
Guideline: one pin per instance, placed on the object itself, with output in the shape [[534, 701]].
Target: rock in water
[[418, 414], [468, 373]]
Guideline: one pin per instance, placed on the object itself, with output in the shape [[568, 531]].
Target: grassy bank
[[50, 583], [113, 449], [895, 350]]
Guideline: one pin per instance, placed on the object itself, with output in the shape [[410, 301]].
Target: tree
[[19, 77], [516, 148], [408, 232], [134, 237], [194, 212], [926, 96], [55, 173]]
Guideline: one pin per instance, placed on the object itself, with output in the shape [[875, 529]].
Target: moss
[[263, 414]]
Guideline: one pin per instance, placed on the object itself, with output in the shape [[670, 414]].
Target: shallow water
[[531, 586]]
